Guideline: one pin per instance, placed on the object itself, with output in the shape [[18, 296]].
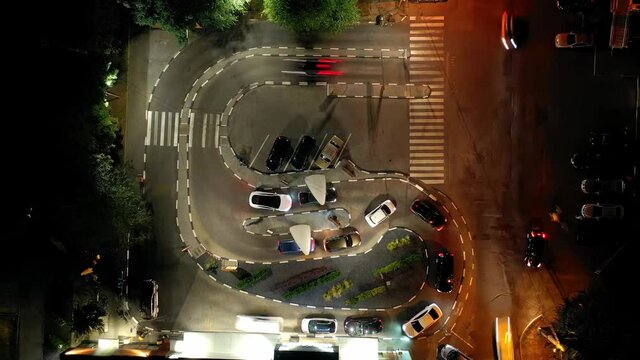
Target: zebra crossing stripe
[[176, 121], [204, 130], [147, 139], [162, 128], [217, 134], [155, 128], [191, 123]]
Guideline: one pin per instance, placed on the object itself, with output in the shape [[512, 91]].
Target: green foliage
[[87, 318], [212, 265], [178, 16], [367, 294], [305, 16], [589, 325], [311, 284], [255, 278], [398, 264], [398, 243], [337, 289], [130, 217]]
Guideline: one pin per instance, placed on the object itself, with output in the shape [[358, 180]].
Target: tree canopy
[[178, 16], [307, 16]]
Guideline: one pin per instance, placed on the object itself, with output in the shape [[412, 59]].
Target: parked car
[[574, 5], [270, 201], [609, 140], [507, 33], [279, 151], [302, 152], [602, 211], [330, 152], [599, 186], [595, 160], [306, 197], [319, 326], [380, 213], [444, 272], [362, 325], [290, 247], [429, 213], [573, 40], [422, 321], [346, 241], [535, 246]]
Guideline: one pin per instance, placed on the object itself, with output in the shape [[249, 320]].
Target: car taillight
[[330, 72], [544, 235]]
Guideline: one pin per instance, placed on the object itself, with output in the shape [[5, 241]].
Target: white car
[[259, 324], [602, 211], [422, 321], [380, 213], [270, 201], [319, 326]]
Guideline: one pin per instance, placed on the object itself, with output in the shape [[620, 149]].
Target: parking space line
[[258, 153], [294, 151], [317, 152]]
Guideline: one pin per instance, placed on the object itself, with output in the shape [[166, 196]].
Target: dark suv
[[304, 149], [307, 198], [444, 272], [279, 151], [429, 213], [535, 246]]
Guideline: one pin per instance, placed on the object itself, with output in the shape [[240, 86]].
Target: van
[[504, 338], [259, 324]]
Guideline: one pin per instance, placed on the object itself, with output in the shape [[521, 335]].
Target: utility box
[[229, 265]]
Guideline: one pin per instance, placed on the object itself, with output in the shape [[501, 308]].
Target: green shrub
[[337, 289], [367, 294], [211, 265], [311, 284], [398, 243], [255, 278], [399, 264]]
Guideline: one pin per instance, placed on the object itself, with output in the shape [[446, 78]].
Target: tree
[[307, 16], [591, 325], [88, 318], [178, 16]]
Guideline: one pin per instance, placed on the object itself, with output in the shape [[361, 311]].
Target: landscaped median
[[389, 275]]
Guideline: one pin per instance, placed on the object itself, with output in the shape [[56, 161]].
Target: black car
[[535, 246], [362, 325], [279, 151], [306, 198], [575, 5], [302, 152], [444, 272], [429, 213]]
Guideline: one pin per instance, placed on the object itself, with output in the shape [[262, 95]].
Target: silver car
[[602, 211]]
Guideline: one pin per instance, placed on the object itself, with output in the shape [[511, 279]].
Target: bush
[[255, 278], [337, 289], [399, 264], [367, 294], [211, 265], [311, 284], [398, 243]]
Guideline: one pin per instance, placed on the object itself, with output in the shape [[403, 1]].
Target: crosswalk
[[163, 129], [426, 116]]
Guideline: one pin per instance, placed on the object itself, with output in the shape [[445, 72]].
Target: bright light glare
[[504, 43]]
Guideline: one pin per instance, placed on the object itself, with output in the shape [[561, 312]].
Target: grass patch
[[255, 278], [398, 243], [337, 290], [398, 264], [367, 295], [311, 284]]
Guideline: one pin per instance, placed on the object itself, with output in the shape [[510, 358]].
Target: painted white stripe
[[162, 121], [426, 133], [427, 52], [426, 121], [425, 45], [176, 122], [191, 123], [424, 32], [217, 133], [155, 128], [426, 154], [426, 161], [430, 17], [427, 181], [425, 168], [204, 130], [426, 148], [422, 113], [425, 38], [436, 94], [436, 86], [425, 72], [426, 141], [147, 139], [425, 127], [413, 101], [169, 123]]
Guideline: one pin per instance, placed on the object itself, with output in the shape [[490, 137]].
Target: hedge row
[[398, 243], [255, 278], [337, 289], [399, 264], [311, 284], [367, 294]]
